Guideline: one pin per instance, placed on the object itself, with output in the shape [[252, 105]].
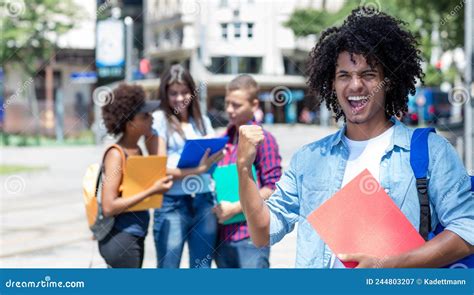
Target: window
[[236, 65], [237, 27], [40, 84], [220, 65], [250, 65], [293, 66], [179, 36], [250, 30], [224, 31]]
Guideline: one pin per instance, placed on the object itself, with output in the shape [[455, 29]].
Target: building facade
[[218, 39]]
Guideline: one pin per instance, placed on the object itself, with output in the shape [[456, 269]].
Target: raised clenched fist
[[250, 136]]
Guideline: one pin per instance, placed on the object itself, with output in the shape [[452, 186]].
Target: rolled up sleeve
[[284, 204], [450, 190]]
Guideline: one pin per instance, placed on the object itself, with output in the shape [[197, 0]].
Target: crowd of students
[[363, 71], [193, 218]]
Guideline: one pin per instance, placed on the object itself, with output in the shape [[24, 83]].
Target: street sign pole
[[129, 48]]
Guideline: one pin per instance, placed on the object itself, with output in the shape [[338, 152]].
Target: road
[[43, 224]]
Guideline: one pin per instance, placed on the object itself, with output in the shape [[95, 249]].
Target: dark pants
[[242, 254], [122, 250]]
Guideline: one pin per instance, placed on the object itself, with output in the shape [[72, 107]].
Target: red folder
[[362, 218]]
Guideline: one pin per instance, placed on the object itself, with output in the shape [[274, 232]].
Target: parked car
[[429, 102]]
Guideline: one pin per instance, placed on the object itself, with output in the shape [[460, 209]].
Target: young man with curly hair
[[363, 71]]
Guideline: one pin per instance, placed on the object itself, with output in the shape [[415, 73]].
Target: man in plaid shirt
[[234, 248]]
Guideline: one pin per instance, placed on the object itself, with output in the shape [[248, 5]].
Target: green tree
[[422, 18], [29, 33]]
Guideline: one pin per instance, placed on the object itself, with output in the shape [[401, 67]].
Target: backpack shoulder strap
[[122, 154], [101, 173], [419, 161]]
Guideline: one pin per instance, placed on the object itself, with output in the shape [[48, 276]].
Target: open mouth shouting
[[358, 103]]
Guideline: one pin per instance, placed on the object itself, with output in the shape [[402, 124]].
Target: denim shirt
[[316, 172]]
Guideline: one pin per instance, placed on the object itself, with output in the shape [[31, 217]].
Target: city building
[[218, 39]]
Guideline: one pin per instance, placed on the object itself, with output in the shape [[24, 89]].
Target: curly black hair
[[122, 104], [381, 39]]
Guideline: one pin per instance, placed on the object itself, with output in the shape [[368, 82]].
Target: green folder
[[227, 187]]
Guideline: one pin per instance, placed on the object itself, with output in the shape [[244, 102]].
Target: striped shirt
[[268, 165]]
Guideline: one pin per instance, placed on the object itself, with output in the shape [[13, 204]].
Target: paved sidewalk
[[43, 223]]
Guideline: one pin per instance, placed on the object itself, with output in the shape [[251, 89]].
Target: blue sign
[[83, 77], [110, 48]]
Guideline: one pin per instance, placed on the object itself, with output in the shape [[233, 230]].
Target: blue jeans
[[242, 254], [181, 219]]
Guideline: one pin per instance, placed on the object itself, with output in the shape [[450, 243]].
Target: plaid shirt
[[267, 164]]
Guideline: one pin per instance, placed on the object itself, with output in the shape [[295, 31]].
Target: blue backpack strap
[[419, 161]]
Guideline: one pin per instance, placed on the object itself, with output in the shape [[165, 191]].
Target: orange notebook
[[139, 174], [362, 218]]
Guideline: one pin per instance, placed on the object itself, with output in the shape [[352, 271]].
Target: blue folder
[[194, 149]]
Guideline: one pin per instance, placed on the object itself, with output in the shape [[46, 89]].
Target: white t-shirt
[[175, 144], [365, 154]]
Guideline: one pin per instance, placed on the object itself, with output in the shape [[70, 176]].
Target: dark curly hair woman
[[363, 70], [128, 115]]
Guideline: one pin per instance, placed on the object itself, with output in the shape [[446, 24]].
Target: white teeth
[[356, 98]]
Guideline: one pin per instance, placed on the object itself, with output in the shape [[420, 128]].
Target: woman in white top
[[186, 212]]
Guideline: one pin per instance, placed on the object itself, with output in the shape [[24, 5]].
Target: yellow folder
[[140, 173]]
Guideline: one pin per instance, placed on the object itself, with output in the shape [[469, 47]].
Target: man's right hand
[[252, 204], [250, 136]]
